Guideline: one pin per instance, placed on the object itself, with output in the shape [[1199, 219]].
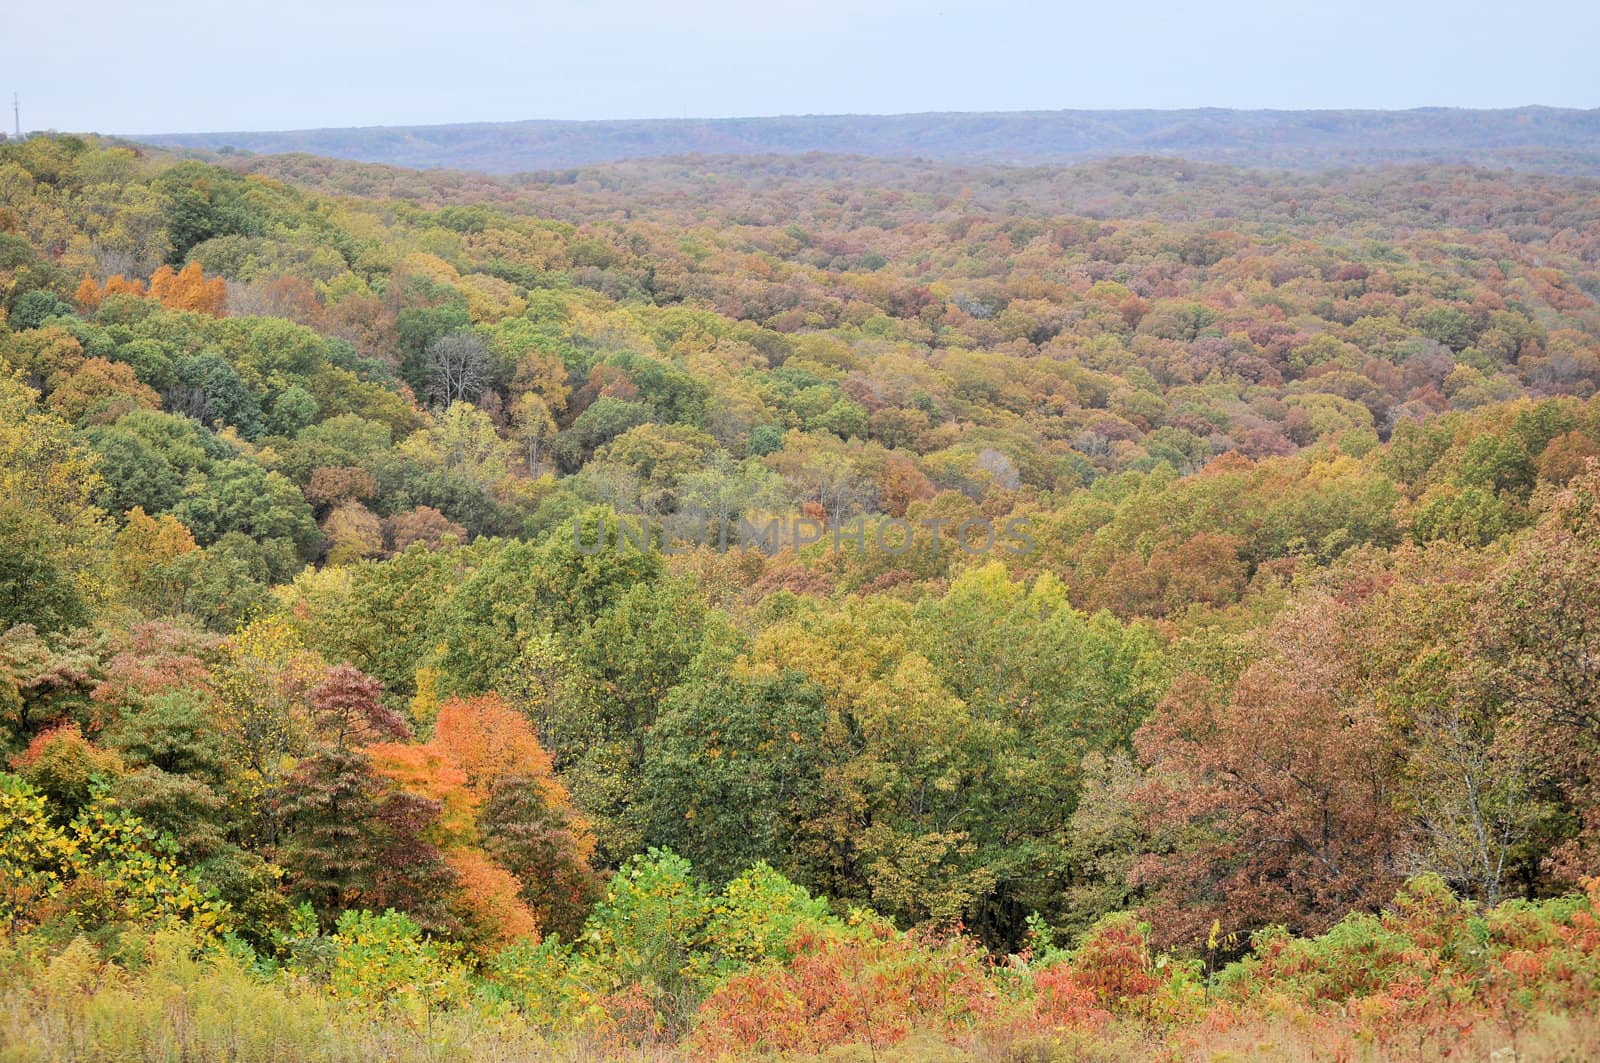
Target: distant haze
[[1529, 138], [192, 65]]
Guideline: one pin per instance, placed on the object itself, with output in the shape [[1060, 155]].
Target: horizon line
[[818, 116]]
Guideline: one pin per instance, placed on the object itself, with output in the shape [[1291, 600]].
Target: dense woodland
[[1551, 139], [1284, 736]]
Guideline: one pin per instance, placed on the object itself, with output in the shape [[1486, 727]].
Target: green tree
[[732, 773]]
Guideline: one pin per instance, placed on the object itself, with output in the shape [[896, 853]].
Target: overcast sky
[[199, 65]]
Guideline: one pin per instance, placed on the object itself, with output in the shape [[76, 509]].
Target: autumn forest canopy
[[341, 716]]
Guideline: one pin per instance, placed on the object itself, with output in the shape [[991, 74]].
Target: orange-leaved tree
[[190, 289], [527, 820], [505, 825]]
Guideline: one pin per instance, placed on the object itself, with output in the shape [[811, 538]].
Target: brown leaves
[[348, 707], [1276, 794]]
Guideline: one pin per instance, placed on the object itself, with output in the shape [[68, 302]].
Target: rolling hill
[[1535, 138]]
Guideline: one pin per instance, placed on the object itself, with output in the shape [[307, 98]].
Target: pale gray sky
[[199, 65]]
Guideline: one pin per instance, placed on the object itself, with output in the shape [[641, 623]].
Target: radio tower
[[16, 114]]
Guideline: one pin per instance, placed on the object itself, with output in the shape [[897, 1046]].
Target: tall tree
[[1273, 797], [458, 368]]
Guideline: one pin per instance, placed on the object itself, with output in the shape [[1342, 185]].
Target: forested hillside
[[1533, 138], [370, 685]]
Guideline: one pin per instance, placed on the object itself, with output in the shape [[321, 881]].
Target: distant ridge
[[1536, 138]]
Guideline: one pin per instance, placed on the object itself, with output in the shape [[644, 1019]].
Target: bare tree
[[1471, 791], [458, 368]]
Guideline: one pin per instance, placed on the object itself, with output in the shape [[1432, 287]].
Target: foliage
[[101, 870], [387, 624]]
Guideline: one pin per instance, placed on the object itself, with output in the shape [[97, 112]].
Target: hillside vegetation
[[1532, 138], [343, 716]]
